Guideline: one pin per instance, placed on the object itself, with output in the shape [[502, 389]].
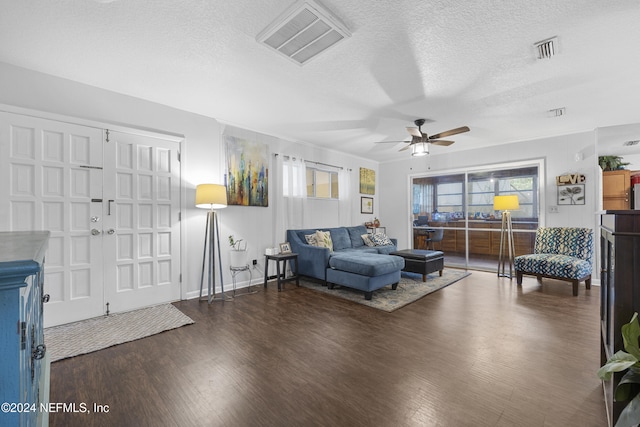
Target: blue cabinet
[[24, 362]]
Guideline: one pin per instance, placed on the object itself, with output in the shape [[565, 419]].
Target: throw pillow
[[311, 239], [324, 240], [380, 239], [366, 238]]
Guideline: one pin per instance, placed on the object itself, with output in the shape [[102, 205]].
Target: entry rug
[[90, 335], [410, 288]]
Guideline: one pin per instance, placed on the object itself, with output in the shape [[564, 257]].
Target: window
[[322, 184]]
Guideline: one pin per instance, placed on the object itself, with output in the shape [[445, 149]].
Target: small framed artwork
[[572, 194], [285, 248], [366, 205]]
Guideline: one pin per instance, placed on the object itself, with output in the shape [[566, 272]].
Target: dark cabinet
[[619, 288]]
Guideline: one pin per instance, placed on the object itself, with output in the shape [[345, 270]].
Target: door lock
[[95, 219], [95, 232]]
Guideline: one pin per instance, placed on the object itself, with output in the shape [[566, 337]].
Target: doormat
[[90, 335], [410, 288]]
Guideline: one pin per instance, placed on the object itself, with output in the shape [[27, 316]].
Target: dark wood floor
[[481, 352]]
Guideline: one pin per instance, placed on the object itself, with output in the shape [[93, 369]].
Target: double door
[[111, 203]]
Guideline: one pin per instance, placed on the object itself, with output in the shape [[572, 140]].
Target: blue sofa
[[351, 263]]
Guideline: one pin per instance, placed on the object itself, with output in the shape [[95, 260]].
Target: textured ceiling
[[453, 63]]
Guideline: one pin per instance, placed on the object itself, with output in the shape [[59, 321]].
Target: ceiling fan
[[419, 140]]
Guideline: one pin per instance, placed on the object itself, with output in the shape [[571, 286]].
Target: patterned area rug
[[91, 335], [411, 288]]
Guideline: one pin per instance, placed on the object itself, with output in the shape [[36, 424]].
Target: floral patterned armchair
[[563, 253]]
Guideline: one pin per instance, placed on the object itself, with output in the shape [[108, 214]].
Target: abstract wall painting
[[247, 177], [367, 181]]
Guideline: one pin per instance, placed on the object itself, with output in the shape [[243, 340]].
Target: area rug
[[90, 335], [410, 288]]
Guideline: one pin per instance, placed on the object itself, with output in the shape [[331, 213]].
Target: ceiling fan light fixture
[[419, 149]]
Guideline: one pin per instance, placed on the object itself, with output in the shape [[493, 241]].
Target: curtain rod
[[317, 163]]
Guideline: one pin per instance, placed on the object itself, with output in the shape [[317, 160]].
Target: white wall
[[559, 154], [202, 158]]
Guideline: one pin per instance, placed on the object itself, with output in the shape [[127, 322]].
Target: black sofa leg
[[394, 286], [519, 277], [368, 295]]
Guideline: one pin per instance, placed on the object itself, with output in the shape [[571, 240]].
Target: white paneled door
[[111, 207]]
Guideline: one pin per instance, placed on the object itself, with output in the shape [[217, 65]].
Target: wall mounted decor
[[571, 194], [366, 205], [367, 181], [247, 176]]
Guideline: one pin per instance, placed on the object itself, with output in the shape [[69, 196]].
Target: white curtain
[[291, 195], [345, 204]]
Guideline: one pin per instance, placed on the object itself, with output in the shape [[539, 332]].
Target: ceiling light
[[631, 143], [419, 149], [546, 48], [303, 31]]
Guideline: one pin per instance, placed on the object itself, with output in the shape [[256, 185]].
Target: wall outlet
[[255, 262], [553, 209]]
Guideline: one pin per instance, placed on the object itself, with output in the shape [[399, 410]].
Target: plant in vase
[[238, 254], [629, 386]]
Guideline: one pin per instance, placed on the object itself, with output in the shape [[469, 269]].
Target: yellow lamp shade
[[211, 196], [506, 203]]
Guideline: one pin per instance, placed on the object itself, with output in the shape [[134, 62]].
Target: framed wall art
[[367, 181], [247, 177], [366, 205], [572, 194]]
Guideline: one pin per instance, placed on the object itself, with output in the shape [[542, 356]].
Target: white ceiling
[[451, 62]]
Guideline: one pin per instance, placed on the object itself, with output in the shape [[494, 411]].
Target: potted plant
[[611, 163], [629, 386], [238, 255]]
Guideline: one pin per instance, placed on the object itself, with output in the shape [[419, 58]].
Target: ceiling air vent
[[303, 31], [545, 49], [631, 143]]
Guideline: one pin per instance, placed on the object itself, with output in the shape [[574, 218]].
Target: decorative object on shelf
[[238, 255], [247, 172], [575, 178], [611, 163], [368, 224], [506, 204], [285, 248], [376, 222], [629, 361], [212, 197], [367, 182], [571, 194], [366, 205]]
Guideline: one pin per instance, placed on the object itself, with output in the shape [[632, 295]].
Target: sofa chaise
[[349, 262]]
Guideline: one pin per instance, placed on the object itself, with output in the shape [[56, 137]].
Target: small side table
[[281, 275]]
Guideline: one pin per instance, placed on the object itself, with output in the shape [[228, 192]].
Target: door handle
[[111, 231], [95, 232], [109, 207]]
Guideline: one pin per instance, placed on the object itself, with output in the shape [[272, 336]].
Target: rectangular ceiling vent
[[545, 49], [631, 143], [303, 31]]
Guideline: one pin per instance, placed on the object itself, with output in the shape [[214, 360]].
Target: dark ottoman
[[421, 261]]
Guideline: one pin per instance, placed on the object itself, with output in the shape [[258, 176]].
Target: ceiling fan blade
[[441, 142], [390, 142], [405, 148], [414, 132], [450, 132]]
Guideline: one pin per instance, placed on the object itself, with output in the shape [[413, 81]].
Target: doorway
[[111, 203]]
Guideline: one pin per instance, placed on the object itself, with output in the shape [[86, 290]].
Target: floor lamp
[[507, 247], [212, 197]]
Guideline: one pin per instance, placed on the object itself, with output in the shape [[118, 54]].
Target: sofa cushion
[[366, 238], [340, 237], [366, 264], [311, 239], [355, 234], [553, 265], [323, 239], [380, 239]]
